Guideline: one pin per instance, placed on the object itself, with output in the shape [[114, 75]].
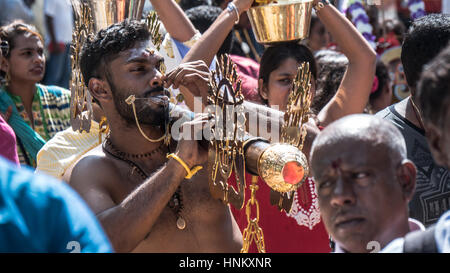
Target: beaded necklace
[[176, 201]]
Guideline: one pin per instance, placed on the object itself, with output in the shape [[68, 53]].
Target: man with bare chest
[[146, 201]]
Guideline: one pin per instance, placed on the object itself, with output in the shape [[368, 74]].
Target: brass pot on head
[[108, 12], [281, 21]]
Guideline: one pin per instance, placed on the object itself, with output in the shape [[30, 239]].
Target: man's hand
[[193, 152], [192, 75], [7, 114]]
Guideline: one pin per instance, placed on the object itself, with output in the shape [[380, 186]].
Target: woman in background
[[38, 111]]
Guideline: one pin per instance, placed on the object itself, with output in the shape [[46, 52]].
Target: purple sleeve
[[8, 147]]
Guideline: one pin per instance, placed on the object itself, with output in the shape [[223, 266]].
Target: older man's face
[[359, 196]]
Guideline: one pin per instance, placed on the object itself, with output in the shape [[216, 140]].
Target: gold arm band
[[190, 172]]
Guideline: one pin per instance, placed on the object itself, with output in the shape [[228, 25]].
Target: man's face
[[439, 139], [136, 71], [359, 196]]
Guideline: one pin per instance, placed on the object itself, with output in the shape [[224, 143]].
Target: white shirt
[[396, 246], [445, 6], [61, 11]]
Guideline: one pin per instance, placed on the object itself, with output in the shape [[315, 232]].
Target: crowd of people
[[378, 135]]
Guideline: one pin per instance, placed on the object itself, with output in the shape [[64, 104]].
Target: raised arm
[[354, 91], [260, 119], [210, 42], [203, 52], [174, 19]]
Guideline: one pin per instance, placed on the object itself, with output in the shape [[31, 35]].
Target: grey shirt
[[432, 196]]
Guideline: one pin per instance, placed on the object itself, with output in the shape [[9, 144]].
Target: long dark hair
[[383, 79], [275, 55]]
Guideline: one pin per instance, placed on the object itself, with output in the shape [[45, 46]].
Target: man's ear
[[262, 89], [99, 89], [406, 174], [434, 139]]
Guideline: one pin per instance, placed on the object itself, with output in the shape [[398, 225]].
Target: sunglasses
[[4, 46]]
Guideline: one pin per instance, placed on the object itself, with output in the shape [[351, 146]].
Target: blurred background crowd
[[387, 22]]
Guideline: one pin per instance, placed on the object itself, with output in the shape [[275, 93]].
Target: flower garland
[[416, 9], [361, 21]]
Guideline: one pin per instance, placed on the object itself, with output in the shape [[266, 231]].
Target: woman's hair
[[332, 66], [382, 76], [10, 32], [275, 55]]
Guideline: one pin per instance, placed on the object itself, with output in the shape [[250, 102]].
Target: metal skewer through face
[[130, 101]]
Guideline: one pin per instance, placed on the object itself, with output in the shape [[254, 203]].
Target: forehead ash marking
[[140, 53]]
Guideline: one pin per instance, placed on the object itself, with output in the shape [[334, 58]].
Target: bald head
[[359, 129], [364, 181]]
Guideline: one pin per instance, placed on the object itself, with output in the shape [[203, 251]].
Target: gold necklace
[[417, 113], [176, 201]]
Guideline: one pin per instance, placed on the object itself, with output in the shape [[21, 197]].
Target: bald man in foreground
[[364, 182]]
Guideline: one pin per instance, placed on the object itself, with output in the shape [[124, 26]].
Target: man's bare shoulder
[[94, 177], [95, 171], [93, 167]]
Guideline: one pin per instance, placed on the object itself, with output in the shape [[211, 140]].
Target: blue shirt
[[41, 214]]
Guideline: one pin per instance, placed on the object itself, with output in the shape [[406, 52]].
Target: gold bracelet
[[190, 172]]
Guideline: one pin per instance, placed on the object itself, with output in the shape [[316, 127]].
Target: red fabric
[[433, 6], [247, 70], [282, 234], [8, 148], [390, 40]]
